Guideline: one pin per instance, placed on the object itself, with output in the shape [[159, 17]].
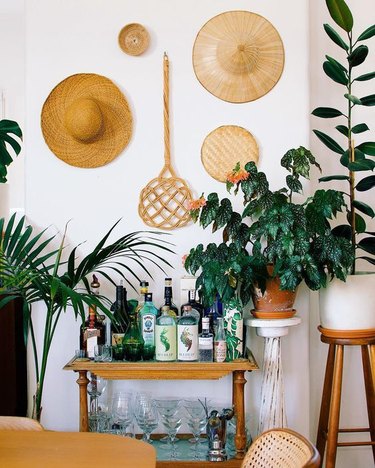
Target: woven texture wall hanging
[[164, 202], [86, 120], [238, 56], [134, 39], [224, 147]]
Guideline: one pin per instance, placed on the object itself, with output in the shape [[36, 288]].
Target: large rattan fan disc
[[224, 147], [134, 39], [238, 56], [86, 120]]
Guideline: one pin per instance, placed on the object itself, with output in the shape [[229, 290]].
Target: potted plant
[[7, 144], [272, 230], [32, 270], [339, 300]]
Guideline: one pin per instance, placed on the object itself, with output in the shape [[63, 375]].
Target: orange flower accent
[[237, 176], [196, 204], [184, 257]]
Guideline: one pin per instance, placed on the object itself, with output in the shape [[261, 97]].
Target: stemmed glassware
[[122, 412], [169, 410], [95, 388], [196, 420], [146, 416]]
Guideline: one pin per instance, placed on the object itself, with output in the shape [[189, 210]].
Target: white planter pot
[[4, 201], [349, 305]]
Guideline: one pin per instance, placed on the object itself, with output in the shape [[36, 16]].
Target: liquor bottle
[[220, 344], [195, 305], [168, 296], [147, 319], [206, 342], [165, 336], [133, 342], [215, 311], [143, 290], [120, 320], [188, 310], [187, 337], [93, 330]]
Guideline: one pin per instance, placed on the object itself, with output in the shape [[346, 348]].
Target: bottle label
[[165, 341], [148, 329], [220, 351], [206, 342], [91, 342], [117, 338], [233, 322], [187, 342]]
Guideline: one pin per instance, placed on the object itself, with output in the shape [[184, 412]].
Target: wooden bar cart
[[150, 370]]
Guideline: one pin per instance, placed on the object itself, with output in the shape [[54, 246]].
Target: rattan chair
[[281, 448], [17, 423]]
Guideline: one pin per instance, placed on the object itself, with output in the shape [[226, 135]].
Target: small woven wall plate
[[224, 147], [238, 56], [134, 39]]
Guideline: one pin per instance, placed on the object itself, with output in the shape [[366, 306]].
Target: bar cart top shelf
[[148, 370]]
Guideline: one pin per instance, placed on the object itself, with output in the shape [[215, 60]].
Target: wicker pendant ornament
[[134, 39], [238, 56], [86, 120], [164, 202], [224, 147]]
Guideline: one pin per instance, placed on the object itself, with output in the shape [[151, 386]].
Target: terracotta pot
[[350, 305], [275, 303]]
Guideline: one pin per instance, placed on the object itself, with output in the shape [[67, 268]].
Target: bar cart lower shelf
[[150, 370]]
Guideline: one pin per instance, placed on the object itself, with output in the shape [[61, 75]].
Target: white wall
[[324, 92]]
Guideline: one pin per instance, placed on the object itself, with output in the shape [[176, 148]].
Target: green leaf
[[337, 64], [335, 37], [364, 208], [326, 112], [329, 142], [367, 244], [335, 73], [294, 184], [343, 129], [353, 99], [341, 14], [364, 165], [334, 177], [365, 77], [358, 156], [365, 184], [368, 100], [367, 147], [360, 128], [369, 32], [343, 230], [358, 56], [360, 223]]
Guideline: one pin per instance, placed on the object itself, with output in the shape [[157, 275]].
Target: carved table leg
[[239, 406], [82, 381]]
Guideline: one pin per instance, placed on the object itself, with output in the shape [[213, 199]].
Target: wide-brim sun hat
[[86, 120], [238, 56]]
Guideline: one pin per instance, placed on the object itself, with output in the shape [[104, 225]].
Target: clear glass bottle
[[143, 290], [133, 342], [165, 336], [206, 342], [195, 305], [147, 320], [120, 320], [220, 344], [187, 337], [168, 297]]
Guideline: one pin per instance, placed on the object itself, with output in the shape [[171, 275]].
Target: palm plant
[[33, 272]]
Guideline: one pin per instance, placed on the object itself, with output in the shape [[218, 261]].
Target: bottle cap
[[205, 320], [165, 308], [148, 297], [143, 284]]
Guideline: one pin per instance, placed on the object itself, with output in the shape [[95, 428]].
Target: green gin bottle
[[165, 336], [147, 322]]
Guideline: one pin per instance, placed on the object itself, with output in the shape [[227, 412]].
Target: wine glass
[[146, 416], [196, 420], [95, 388], [167, 407], [169, 410], [122, 411]]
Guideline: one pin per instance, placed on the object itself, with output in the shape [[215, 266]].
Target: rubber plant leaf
[[364, 208], [341, 14], [365, 77], [335, 37], [360, 128], [368, 100], [369, 32], [334, 177], [329, 142], [326, 112], [358, 56], [367, 147], [367, 244], [335, 73], [343, 129], [365, 184]]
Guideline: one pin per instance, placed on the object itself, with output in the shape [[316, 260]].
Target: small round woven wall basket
[[86, 120], [134, 39], [224, 147], [238, 56]]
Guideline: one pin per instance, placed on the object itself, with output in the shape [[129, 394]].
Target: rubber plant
[[355, 158], [8, 128], [272, 229], [32, 270]]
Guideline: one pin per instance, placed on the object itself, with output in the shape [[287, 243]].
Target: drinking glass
[[146, 416], [167, 407], [169, 410], [95, 388], [102, 353], [122, 412], [196, 420]]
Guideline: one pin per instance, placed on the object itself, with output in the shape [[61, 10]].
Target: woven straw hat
[[224, 147], [133, 39], [86, 120], [238, 56]]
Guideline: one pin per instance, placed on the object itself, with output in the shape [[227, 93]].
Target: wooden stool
[[330, 408]]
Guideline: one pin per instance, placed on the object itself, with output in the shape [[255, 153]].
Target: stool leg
[[326, 402], [334, 417], [368, 371]]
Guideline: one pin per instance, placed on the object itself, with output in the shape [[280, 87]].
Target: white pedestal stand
[[272, 407]]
